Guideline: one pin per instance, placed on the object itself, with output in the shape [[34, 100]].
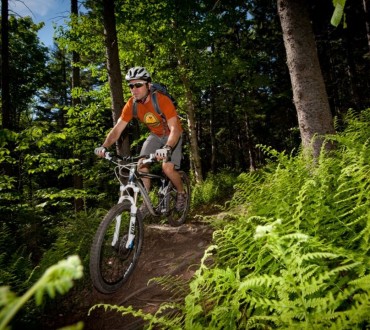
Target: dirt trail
[[167, 251]]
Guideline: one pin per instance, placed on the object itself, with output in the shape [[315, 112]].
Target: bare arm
[[115, 133], [113, 136], [174, 132]]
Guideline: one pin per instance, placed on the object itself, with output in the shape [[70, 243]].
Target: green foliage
[[27, 62], [241, 97], [56, 279], [74, 235], [304, 269], [20, 251], [53, 240], [174, 284], [299, 257], [215, 189], [153, 321], [294, 282], [7, 160], [338, 12]]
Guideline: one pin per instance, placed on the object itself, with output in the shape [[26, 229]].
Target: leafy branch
[[56, 279]]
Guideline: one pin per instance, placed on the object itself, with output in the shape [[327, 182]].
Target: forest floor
[[175, 251]]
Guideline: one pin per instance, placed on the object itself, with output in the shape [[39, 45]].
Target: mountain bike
[[119, 238]]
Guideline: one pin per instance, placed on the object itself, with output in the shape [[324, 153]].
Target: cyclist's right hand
[[100, 151], [164, 154]]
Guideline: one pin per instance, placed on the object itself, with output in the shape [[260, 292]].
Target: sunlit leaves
[[338, 12]]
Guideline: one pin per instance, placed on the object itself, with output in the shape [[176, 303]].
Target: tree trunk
[[309, 93], [366, 4], [355, 100], [249, 145], [194, 149], [6, 106], [213, 133], [76, 82], [7, 110], [114, 71]]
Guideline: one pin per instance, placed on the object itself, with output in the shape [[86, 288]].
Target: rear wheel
[[178, 217], [111, 260]]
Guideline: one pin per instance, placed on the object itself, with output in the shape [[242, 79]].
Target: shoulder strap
[[156, 105], [134, 109]]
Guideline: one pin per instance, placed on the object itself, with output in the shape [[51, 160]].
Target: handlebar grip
[[149, 159], [108, 156], [111, 156]]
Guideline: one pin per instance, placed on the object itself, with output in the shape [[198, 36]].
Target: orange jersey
[[146, 114]]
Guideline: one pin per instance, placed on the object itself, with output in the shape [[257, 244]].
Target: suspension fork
[[132, 198]]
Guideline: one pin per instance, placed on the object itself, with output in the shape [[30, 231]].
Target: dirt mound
[[167, 251]]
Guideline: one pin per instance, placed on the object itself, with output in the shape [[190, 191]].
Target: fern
[[289, 279], [298, 257], [74, 236], [174, 284], [57, 279], [152, 321], [215, 189]]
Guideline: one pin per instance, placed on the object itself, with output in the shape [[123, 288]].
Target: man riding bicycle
[[165, 130]]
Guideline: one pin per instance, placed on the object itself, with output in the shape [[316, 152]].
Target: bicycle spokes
[[111, 264]]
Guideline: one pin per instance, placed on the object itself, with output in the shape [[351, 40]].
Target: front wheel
[[178, 217], [112, 260]]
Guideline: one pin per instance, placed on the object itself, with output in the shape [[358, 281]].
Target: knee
[[143, 168], [168, 167]]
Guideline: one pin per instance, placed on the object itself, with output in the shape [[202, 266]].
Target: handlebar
[[147, 158]]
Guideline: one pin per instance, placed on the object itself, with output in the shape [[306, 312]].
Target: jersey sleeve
[[126, 114]]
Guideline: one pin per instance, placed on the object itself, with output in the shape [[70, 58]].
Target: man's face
[[138, 88]]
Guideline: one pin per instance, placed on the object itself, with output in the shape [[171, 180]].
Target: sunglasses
[[137, 85]]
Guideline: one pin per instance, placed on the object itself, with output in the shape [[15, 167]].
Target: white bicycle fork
[[133, 211]]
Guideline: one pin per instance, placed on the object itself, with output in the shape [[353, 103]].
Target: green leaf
[[338, 12]]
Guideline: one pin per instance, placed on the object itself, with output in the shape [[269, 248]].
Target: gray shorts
[[154, 142]]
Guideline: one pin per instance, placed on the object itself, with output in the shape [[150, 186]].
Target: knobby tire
[[111, 266]]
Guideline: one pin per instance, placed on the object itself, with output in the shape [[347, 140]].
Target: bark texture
[[6, 106], [309, 93], [114, 71]]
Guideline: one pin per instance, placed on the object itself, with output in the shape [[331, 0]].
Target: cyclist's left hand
[[164, 153]]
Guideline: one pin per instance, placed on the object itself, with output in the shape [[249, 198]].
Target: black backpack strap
[[156, 105], [158, 110], [134, 110]]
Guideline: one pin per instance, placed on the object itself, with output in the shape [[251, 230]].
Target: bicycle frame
[[118, 241], [136, 187]]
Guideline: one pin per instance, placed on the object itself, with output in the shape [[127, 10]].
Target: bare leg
[[146, 181], [173, 175]]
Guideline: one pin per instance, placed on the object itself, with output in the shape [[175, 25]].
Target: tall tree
[[190, 107], [76, 83], [27, 67], [114, 70], [158, 43], [366, 4], [6, 105], [309, 92]]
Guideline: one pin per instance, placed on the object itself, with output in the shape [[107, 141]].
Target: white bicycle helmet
[[139, 73]]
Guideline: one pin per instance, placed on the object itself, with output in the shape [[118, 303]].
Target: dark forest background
[[226, 64]]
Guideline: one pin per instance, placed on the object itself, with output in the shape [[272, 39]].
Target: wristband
[[168, 147]]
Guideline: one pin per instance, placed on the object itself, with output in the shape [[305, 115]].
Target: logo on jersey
[[151, 120]]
